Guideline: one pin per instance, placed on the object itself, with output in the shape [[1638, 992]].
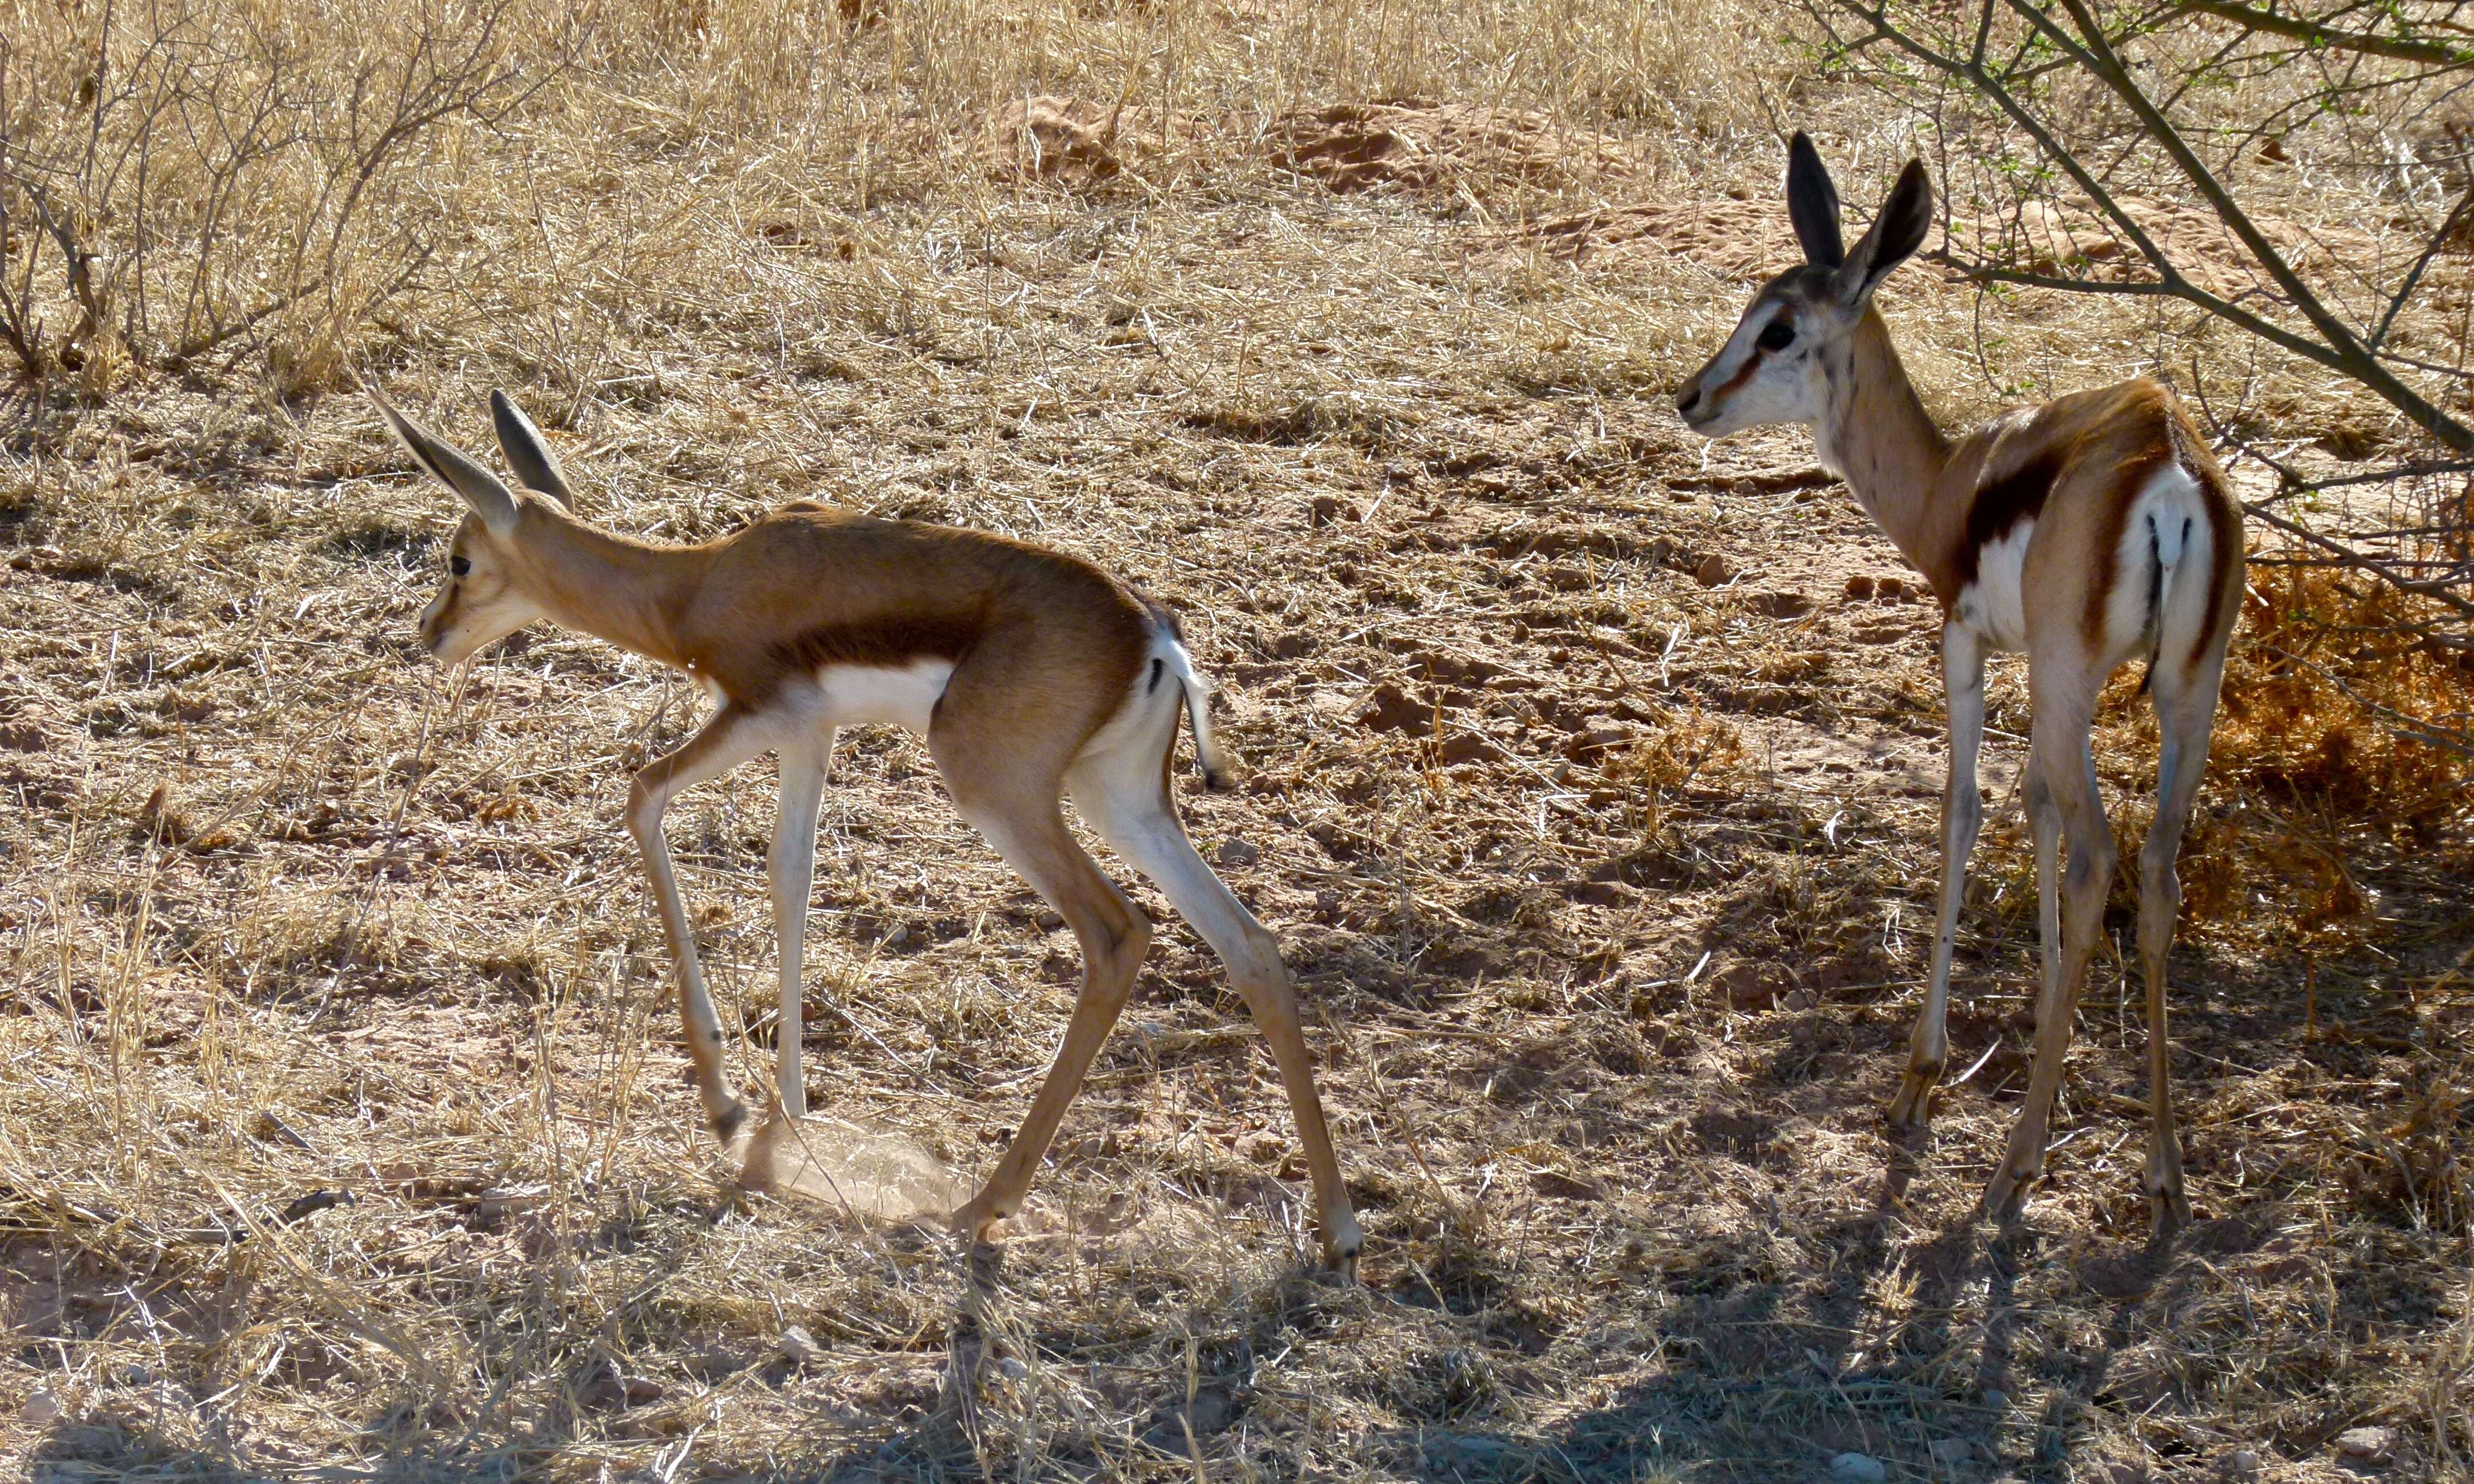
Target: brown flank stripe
[[2001, 504], [887, 641]]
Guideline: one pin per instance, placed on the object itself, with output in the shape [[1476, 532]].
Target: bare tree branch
[[2402, 49]]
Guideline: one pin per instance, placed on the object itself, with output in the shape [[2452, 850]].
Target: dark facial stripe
[[1751, 364], [2001, 504]]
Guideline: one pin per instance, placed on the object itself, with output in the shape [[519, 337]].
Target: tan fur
[[2078, 468], [1063, 679]]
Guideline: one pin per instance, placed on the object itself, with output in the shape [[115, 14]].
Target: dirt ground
[[1592, 789]]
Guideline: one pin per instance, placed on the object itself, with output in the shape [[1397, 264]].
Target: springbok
[[1031, 675], [2084, 532]]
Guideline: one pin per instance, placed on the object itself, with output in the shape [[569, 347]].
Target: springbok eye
[[459, 567], [1777, 335]]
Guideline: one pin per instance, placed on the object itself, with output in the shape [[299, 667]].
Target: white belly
[[1991, 606], [906, 696]]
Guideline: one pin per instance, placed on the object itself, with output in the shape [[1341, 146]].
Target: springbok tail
[[2168, 541], [1217, 773]]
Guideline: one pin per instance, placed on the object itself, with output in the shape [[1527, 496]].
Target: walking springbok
[[2086, 531], [1031, 674]]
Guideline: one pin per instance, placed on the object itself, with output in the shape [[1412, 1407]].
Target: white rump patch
[[1136, 731], [868, 1173], [906, 696], [2168, 525]]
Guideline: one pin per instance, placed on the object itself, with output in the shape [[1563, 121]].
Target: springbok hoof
[[973, 1220], [2169, 1212], [2005, 1198], [1910, 1112]]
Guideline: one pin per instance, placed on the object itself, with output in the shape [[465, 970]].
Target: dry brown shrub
[[2331, 681]]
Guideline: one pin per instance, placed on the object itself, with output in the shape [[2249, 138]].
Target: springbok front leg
[[2186, 712], [1962, 814], [2064, 802], [792, 867], [729, 739], [1125, 799]]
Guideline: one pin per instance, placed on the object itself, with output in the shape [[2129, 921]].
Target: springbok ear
[[528, 453], [490, 499], [1898, 232], [1812, 204]]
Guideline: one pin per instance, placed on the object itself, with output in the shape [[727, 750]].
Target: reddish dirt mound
[[1071, 141], [1411, 144]]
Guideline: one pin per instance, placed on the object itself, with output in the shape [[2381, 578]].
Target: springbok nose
[[1685, 398]]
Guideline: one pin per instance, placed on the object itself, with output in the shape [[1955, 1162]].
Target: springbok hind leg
[[1031, 834], [2186, 714], [2062, 792], [1125, 799]]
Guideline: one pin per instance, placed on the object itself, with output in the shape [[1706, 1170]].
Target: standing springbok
[[2085, 532], [1031, 674]]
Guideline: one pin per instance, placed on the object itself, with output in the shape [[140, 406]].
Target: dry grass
[[1593, 787]]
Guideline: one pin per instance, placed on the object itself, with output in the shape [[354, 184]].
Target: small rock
[[2127, 1474], [796, 1345], [1746, 986], [2374, 1444], [2244, 1464], [1469, 747], [1997, 1399], [1011, 1370], [1951, 1452], [1390, 708], [1798, 999], [1858, 1468], [41, 1408], [1213, 1409], [713, 1363], [1327, 509], [1595, 743], [612, 1392], [1714, 572], [1237, 852]]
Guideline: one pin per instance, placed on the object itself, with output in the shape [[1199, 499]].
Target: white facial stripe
[[1745, 385], [1743, 345]]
